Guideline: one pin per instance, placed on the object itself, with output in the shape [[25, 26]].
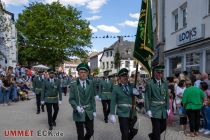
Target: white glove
[[59, 102], [97, 98], [42, 102], [80, 109], [112, 118], [135, 91], [94, 114], [149, 113], [168, 111]]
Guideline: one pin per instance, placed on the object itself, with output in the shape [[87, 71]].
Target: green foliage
[[96, 71], [117, 59], [51, 33], [69, 72]]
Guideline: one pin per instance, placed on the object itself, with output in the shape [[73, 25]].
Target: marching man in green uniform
[[105, 92], [37, 88], [121, 99], [64, 84], [157, 102], [52, 97], [82, 100]]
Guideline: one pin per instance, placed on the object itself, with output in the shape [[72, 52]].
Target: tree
[[96, 71], [117, 60], [69, 71], [51, 33]]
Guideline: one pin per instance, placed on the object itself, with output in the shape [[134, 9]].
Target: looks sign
[[190, 35]]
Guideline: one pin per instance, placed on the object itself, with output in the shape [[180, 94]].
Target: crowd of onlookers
[[15, 84], [189, 97]]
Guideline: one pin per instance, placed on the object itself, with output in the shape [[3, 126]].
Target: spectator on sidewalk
[[182, 113], [205, 110], [205, 78], [192, 100]]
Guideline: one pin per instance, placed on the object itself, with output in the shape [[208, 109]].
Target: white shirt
[[158, 82], [179, 91], [81, 82], [51, 80]]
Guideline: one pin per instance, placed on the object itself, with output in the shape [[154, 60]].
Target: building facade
[[158, 20], [95, 63], [126, 57], [70, 67], [187, 36], [8, 38]]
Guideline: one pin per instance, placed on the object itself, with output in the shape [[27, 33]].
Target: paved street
[[22, 116]]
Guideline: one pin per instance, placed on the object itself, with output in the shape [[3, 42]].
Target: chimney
[[120, 39]]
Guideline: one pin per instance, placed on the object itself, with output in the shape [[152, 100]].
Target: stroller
[[23, 91]]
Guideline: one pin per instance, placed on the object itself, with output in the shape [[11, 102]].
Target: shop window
[[193, 61], [175, 65], [208, 61]]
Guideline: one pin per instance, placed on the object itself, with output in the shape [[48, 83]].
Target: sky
[[106, 17]]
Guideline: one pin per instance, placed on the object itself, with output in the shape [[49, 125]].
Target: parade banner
[[143, 49]]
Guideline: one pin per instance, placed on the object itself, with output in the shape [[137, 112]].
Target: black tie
[[159, 83], [126, 89], [83, 85]]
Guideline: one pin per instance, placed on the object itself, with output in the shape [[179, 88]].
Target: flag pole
[[137, 66], [133, 97]]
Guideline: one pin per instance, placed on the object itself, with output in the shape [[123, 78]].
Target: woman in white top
[[179, 93]]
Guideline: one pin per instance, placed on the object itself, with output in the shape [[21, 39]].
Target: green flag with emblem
[[143, 49]]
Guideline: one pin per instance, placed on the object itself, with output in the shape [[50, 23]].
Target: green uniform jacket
[[37, 84], [105, 89], [65, 82], [51, 91], [193, 98], [83, 98], [121, 101], [157, 99]]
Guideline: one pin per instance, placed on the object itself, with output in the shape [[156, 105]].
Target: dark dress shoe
[[54, 123], [50, 127], [150, 136], [43, 110], [38, 112], [106, 121]]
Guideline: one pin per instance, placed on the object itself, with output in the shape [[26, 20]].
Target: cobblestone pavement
[[22, 116]]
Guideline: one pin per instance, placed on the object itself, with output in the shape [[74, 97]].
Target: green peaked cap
[[123, 71], [159, 68], [83, 66], [50, 71]]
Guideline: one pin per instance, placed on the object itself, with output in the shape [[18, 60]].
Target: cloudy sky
[[107, 17]]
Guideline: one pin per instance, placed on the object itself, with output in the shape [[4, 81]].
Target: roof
[[7, 12], [125, 48], [95, 55]]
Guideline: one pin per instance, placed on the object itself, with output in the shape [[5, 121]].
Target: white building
[[8, 38], [187, 36], [158, 19], [95, 62], [126, 57], [72, 67]]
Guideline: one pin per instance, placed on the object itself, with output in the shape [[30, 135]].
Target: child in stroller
[[23, 91]]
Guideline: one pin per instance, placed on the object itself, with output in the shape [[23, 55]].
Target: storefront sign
[[191, 34]]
